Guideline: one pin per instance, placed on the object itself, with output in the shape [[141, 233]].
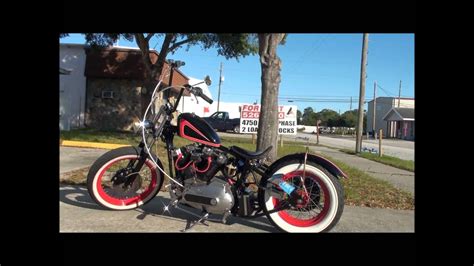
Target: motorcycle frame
[[166, 131]]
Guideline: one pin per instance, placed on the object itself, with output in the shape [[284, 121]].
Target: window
[[107, 94]]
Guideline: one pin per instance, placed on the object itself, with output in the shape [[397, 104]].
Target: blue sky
[[322, 67]]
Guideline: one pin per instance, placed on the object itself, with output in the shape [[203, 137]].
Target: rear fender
[[323, 162]]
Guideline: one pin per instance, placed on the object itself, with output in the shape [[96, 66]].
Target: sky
[[321, 71]]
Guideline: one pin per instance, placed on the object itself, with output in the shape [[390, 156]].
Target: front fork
[[167, 136], [136, 165]]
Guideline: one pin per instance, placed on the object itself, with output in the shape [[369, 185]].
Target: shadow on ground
[[78, 196]]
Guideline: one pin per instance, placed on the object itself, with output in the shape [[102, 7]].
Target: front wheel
[[322, 198], [107, 180]]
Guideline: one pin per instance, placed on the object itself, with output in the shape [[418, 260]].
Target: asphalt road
[[78, 213]]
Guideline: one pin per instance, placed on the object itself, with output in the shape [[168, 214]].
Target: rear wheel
[[109, 183], [322, 198]]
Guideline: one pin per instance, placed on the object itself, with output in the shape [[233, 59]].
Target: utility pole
[[375, 103], [219, 91], [350, 108], [360, 119], [399, 93]]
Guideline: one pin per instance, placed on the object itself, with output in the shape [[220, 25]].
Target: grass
[[408, 165], [360, 188], [75, 177]]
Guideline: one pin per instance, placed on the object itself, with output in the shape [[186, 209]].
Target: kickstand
[[192, 224], [202, 219]]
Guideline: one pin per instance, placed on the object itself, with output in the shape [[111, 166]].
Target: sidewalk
[[402, 179], [73, 158]]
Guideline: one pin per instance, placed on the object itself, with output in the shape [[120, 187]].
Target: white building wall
[[231, 108], [404, 103], [72, 87], [188, 104], [383, 105]]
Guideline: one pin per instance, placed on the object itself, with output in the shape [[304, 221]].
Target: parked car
[[221, 121]]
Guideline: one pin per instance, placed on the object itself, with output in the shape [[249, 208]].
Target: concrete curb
[[84, 144]]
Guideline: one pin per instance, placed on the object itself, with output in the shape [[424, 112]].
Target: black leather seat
[[250, 154]]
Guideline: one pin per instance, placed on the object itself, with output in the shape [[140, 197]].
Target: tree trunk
[[271, 65], [151, 70]]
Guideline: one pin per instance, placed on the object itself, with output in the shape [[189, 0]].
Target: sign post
[[380, 143], [317, 131]]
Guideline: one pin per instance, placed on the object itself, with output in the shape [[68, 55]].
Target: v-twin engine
[[215, 197]]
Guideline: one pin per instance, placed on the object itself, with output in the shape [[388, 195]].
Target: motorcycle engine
[[197, 166], [215, 197]]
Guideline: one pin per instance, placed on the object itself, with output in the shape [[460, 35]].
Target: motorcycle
[[297, 193]]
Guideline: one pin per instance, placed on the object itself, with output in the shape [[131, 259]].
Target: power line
[[292, 95], [342, 99], [303, 56], [307, 53], [386, 91]]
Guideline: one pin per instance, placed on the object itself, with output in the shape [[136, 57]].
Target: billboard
[[250, 114]]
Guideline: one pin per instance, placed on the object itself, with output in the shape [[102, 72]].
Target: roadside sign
[[250, 113]]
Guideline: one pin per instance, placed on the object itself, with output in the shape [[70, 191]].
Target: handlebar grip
[[205, 98]]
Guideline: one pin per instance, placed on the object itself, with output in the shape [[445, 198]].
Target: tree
[[308, 110], [349, 118], [299, 116], [328, 117], [270, 65], [228, 45], [308, 116]]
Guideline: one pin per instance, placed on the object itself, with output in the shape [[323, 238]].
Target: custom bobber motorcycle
[[298, 192]]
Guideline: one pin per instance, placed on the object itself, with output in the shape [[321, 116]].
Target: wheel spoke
[[315, 204]]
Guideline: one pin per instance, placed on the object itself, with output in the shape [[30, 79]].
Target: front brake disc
[[119, 189]]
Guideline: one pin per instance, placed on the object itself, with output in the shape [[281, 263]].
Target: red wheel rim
[[313, 220], [132, 200]]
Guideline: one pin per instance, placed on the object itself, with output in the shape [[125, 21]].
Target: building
[[105, 88], [116, 93], [393, 115], [189, 104], [400, 123], [72, 86]]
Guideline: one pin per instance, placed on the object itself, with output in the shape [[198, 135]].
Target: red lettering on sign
[[253, 108]]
